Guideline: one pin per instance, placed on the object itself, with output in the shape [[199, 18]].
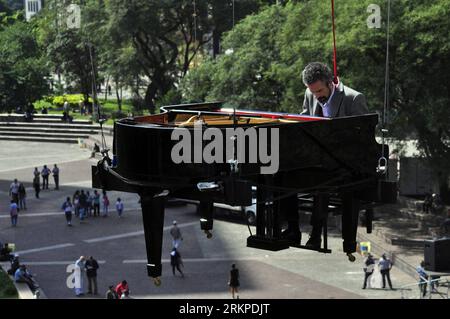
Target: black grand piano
[[326, 161]]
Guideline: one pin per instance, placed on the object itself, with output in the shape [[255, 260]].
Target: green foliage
[[72, 99], [23, 71], [7, 288]]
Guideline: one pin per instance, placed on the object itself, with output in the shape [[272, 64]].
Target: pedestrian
[[67, 207], [76, 202], [119, 207], [426, 206], [423, 278], [176, 261], [111, 293], [105, 200], [121, 287], [78, 275], [91, 272], [14, 191], [234, 281], [36, 182], [95, 149], [445, 226], [176, 235], [82, 205], [45, 173], [96, 202], [22, 275], [66, 107], [22, 197], [89, 199], [369, 267], [55, 172], [385, 265], [13, 211]]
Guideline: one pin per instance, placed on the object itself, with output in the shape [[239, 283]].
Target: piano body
[[325, 159]]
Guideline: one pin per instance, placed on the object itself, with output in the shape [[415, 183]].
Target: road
[[48, 246]]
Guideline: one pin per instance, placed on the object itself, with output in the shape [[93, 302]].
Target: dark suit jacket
[[345, 102]]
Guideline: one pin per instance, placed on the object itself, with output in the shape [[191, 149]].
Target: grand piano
[[206, 152]]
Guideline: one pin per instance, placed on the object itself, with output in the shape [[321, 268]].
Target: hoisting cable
[[96, 107], [383, 161], [336, 80]]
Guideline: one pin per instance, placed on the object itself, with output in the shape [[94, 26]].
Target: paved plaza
[[48, 246]]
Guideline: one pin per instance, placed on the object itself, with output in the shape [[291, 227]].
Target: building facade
[[32, 7]]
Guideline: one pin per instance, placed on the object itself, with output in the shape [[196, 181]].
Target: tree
[[23, 71], [245, 74]]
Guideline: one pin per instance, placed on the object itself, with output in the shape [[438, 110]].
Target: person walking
[[22, 197], [55, 172], [234, 281], [176, 261], [45, 173], [96, 203], [176, 235], [119, 207], [105, 200], [67, 207], [78, 275], [369, 267], [385, 265], [14, 213], [14, 191], [91, 272], [36, 182], [83, 204], [423, 278]]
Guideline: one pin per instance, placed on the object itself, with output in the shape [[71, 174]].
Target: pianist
[[324, 98]]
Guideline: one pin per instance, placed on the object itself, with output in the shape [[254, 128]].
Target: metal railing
[[432, 285]]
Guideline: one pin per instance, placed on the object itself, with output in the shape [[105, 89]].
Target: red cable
[[334, 45]]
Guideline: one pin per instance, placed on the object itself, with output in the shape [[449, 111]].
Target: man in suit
[[324, 98]]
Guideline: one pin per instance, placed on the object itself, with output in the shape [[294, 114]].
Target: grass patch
[[7, 288]]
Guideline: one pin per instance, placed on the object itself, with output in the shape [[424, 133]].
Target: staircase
[[45, 128]]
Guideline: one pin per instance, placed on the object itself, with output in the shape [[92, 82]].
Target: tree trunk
[[150, 95], [119, 98], [106, 88], [444, 189]]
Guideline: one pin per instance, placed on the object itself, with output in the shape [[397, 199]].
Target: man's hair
[[316, 71]]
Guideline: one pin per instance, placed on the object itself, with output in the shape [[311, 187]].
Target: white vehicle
[[249, 212]]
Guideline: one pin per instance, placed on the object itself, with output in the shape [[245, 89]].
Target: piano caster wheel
[[351, 258], [157, 281], [208, 234]]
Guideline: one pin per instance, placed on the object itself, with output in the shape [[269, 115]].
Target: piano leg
[[289, 206], [350, 212], [206, 209], [153, 218], [319, 225], [268, 230]]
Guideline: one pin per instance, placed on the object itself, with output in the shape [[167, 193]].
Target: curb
[[23, 291]]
